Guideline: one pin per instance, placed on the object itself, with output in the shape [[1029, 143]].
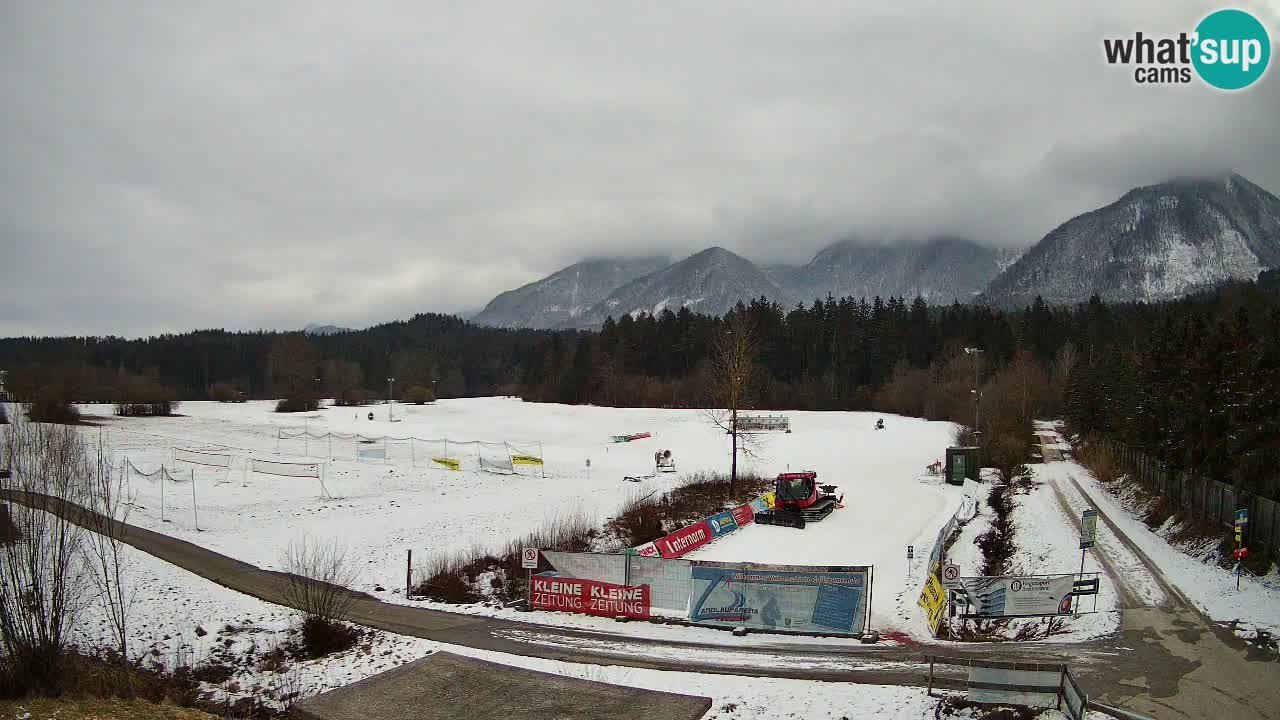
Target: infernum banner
[[684, 540], [590, 597], [789, 598]]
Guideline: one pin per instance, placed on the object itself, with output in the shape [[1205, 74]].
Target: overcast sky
[[173, 165]]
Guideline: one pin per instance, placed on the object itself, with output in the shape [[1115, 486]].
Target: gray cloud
[[165, 166]]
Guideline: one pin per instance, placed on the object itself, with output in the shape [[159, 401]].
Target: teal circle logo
[[1232, 49]]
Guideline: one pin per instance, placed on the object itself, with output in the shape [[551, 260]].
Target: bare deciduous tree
[[108, 499], [42, 576], [733, 381]]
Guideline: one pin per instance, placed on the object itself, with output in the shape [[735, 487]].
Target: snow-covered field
[[382, 509]]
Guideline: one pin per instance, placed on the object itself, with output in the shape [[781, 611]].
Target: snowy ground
[[381, 509], [182, 618], [1046, 543], [1211, 588]]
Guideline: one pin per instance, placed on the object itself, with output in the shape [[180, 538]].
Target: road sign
[[1088, 528], [911, 551], [529, 558], [1241, 553], [951, 577], [1242, 518]]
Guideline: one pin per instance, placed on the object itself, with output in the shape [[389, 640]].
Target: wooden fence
[[1211, 500]]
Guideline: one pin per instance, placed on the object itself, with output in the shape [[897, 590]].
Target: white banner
[[992, 597], [308, 470], [202, 457]]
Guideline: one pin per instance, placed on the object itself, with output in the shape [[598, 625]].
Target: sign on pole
[[951, 577], [1088, 528], [529, 561], [911, 551], [1242, 518], [529, 558]]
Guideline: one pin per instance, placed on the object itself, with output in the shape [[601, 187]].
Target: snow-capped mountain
[[940, 270], [1155, 243], [709, 282], [561, 298]]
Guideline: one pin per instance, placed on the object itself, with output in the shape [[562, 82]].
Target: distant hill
[[316, 329], [564, 296], [708, 282]]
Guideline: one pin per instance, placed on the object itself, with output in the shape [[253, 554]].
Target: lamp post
[[390, 399], [977, 394]]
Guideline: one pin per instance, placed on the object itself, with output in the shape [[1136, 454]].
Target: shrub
[[1097, 456], [53, 405], [997, 543], [354, 397], [698, 495], [297, 404], [321, 636], [475, 574], [225, 393], [418, 395]]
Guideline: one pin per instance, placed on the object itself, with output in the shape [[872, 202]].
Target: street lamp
[[390, 401], [977, 395]]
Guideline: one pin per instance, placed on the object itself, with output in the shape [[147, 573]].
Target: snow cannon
[[799, 500], [664, 461]]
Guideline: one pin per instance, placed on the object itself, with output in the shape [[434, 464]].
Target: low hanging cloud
[[244, 164]]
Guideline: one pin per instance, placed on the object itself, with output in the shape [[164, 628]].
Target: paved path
[[1176, 662], [1163, 662]]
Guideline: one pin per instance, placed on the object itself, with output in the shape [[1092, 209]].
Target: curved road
[[1136, 669]]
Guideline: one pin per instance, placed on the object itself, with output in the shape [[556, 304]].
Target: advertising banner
[[525, 460], [722, 524], [992, 597], [371, 453], [200, 457], [589, 597], [788, 598], [743, 515], [759, 505], [647, 550], [685, 540], [933, 598], [450, 463]]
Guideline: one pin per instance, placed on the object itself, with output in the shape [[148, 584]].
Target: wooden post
[[162, 475], [929, 692], [194, 511], [408, 575]]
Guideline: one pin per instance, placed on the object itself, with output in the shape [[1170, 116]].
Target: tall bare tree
[[733, 382], [42, 577], [107, 563]]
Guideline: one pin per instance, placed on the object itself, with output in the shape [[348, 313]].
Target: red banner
[[589, 597], [685, 540], [743, 514]]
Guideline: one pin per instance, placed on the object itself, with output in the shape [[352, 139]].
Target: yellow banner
[[525, 460], [933, 598], [448, 462], [769, 498]]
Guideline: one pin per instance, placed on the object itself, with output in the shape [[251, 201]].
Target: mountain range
[[1154, 243]]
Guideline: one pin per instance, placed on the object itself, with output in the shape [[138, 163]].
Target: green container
[[962, 462]]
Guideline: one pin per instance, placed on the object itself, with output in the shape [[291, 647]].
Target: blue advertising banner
[[788, 598], [722, 524], [759, 505]]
